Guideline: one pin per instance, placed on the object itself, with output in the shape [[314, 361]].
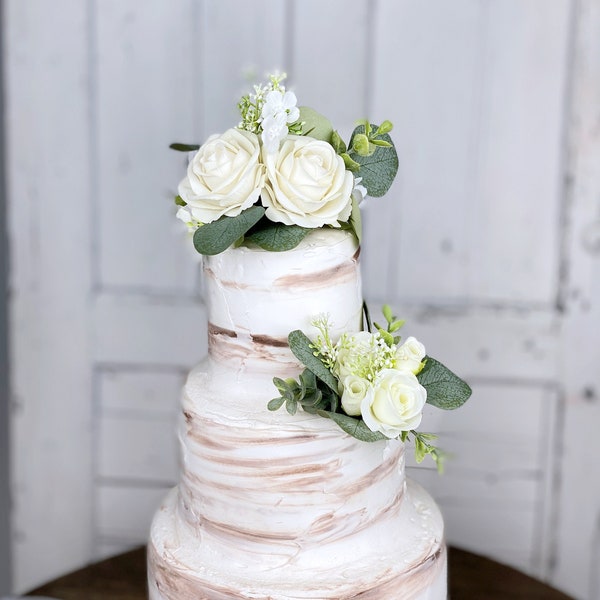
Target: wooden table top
[[471, 576]]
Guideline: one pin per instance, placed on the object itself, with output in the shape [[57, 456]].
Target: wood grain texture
[[480, 125], [144, 98], [47, 110], [579, 519], [5, 490]]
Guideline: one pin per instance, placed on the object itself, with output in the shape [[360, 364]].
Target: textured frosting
[[275, 506]]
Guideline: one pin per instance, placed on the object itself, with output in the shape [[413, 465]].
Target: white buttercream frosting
[[271, 505]]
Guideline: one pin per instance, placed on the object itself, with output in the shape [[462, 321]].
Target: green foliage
[[378, 163], [302, 349], [184, 147], [350, 163], [356, 220], [180, 201], [214, 238], [361, 145], [353, 426], [423, 447], [445, 390], [277, 237], [338, 143], [307, 392], [315, 124], [393, 324]]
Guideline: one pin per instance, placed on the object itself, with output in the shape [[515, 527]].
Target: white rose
[[224, 177], [307, 184], [396, 403], [410, 355], [356, 389]]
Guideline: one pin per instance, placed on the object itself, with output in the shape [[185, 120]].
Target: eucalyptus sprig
[[393, 325]]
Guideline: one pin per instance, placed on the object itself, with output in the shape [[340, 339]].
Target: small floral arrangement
[[371, 385], [280, 173]]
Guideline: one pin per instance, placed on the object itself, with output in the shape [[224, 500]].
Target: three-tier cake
[[310, 502]]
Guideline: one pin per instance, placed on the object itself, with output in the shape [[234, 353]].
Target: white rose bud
[[355, 391], [224, 177], [410, 355], [396, 404], [307, 184]]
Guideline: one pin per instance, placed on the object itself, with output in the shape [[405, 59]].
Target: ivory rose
[[396, 404], [224, 177], [409, 355], [355, 390], [307, 184]]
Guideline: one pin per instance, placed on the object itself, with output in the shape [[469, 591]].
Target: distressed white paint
[[49, 206], [578, 557], [144, 99], [476, 91], [467, 246]]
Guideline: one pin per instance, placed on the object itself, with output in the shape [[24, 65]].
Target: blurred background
[[488, 243]]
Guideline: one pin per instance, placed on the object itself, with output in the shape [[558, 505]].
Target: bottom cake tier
[[401, 557]]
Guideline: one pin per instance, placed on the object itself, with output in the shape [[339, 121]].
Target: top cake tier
[[255, 298]]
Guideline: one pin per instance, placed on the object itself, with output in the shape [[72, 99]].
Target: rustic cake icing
[[275, 506], [310, 502]]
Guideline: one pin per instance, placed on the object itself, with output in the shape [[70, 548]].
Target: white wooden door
[[488, 244]]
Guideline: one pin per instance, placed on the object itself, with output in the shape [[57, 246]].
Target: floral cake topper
[[282, 172]]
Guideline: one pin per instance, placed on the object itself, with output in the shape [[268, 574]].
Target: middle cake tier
[[274, 483]]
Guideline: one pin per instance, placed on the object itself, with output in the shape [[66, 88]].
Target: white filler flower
[[278, 110]]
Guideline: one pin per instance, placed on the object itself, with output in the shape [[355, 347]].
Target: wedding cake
[[294, 504]]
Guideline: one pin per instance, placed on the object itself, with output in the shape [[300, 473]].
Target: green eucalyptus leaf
[[361, 144], [387, 337], [354, 427], [308, 380], [180, 201], [280, 384], [291, 406], [377, 170], [338, 143], [276, 403], [315, 124], [445, 390], [395, 325], [381, 143], [213, 238], [312, 400], [184, 147], [277, 237], [420, 450], [302, 350], [356, 220], [387, 313], [350, 163], [385, 127]]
